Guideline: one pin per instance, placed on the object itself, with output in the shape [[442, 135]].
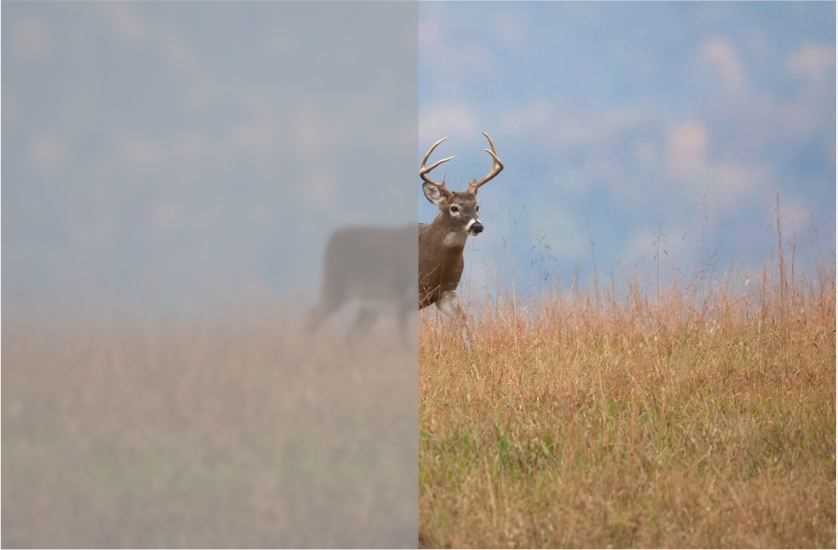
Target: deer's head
[[458, 211]]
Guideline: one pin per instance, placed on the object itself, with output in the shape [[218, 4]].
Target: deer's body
[[353, 250], [440, 267], [376, 264]]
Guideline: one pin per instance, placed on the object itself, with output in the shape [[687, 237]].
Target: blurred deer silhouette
[[376, 265]]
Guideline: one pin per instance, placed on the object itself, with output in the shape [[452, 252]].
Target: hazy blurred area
[[181, 156], [172, 173], [199, 435]]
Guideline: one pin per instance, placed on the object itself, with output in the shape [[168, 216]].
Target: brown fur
[[440, 267]]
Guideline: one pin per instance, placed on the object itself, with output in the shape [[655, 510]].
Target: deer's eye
[[454, 209], [477, 208]]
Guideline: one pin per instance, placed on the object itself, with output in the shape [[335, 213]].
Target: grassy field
[[645, 422]]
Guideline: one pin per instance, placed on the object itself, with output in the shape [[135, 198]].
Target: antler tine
[[497, 166], [491, 143], [424, 169], [427, 169], [431, 149]]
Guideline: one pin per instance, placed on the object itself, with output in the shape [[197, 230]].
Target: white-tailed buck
[[376, 264]]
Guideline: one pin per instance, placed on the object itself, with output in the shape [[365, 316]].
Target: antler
[[424, 169], [497, 166]]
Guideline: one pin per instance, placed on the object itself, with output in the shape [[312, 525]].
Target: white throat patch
[[455, 239]]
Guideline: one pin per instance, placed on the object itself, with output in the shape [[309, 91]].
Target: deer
[[442, 242], [375, 264]]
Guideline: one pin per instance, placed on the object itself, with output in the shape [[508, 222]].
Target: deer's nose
[[476, 227]]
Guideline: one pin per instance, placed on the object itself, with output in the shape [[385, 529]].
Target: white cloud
[[687, 148], [552, 125], [719, 185], [721, 55], [812, 62], [754, 119], [729, 183], [534, 117], [454, 120], [448, 60], [723, 187]]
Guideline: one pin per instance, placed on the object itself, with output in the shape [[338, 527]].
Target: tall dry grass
[[689, 420]]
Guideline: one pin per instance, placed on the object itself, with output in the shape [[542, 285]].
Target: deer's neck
[[452, 240]]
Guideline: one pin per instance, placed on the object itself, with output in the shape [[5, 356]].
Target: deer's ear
[[435, 194]]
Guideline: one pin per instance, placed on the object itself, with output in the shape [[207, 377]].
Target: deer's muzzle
[[474, 227]]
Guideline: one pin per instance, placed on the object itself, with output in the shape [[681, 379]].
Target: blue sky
[[196, 153], [628, 127]]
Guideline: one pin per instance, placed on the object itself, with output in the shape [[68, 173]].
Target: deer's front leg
[[449, 304]]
